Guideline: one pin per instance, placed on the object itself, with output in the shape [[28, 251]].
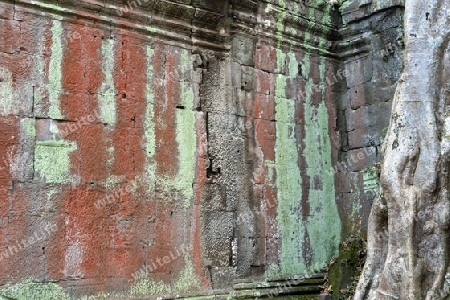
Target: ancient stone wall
[[161, 147], [372, 59]]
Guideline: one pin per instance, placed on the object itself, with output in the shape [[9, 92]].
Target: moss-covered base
[[344, 271], [299, 287]]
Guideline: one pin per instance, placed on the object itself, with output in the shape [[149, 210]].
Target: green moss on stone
[[317, 153], [30, 289], [49, 6], [345, 270], [323, 225], [185, 133], [187, 281], [288, 182], [29, 126], [370, 179], [54, 73], [52, 160]]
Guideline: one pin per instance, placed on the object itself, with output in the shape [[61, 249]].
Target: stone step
[[295, 287]]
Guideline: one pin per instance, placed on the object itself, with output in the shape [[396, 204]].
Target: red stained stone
[[264, 107], [265, 58], [8, 140], [264, 83], [7, 11], [30, 36], [73, 66], [123, 165], [107, 245], [165, 223], [162, 261], [10, 36], [84, 232], [92, 152], [17, 231], [165, 102], [55, 252], [122, 262], [265, 137], [130, 83], [79, 107]]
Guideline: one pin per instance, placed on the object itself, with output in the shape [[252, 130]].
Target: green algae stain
[[185, 134], [323, 224], [143, 287], [49, 6], [30, 289], [370, 179], [281, 59], [289, 184], [184, 129], [149, 123], [187, 281], [29, 127], [106, 97], [317, 153], [52, 160], [107, 103], [54, 73]]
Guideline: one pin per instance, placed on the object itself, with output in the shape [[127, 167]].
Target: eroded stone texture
[[372, 58], [168, 147]]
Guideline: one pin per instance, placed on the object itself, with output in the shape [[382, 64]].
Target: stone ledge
[[203, 24], [169, 20], [308, 288]]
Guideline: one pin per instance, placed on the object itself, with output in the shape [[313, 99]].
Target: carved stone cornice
[[191, 22], [354, 11], [358, 19], [303, 26], [210, 24]]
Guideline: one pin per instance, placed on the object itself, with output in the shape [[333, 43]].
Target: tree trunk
[[408, 244]]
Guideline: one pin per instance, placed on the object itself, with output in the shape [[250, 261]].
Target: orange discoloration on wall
[[12, 225], [265, 136], [166, 99]]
